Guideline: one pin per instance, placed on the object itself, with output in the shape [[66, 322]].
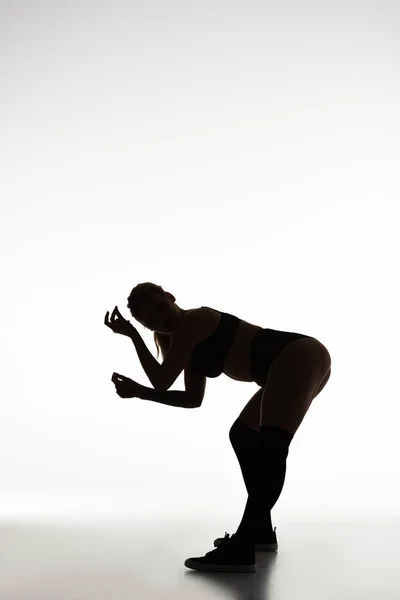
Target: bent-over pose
[[290, 368]]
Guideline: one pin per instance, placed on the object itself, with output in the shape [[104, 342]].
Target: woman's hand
[[125, 387], [118, 324]]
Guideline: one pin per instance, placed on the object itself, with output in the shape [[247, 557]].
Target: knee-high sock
[[245, 442], [269, 478]]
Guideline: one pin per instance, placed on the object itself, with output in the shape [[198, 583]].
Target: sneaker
[[232, 555], [267, 543]]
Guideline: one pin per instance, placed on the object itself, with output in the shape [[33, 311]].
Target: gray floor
[[124, 561]]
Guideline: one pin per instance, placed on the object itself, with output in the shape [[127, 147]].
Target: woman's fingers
[[115, 313], [107, 319], [118, 376]]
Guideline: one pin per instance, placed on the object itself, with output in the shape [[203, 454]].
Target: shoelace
[[213, 552]]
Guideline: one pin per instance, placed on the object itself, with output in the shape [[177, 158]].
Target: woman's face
[[159, 314]]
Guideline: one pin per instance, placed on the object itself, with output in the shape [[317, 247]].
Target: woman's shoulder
[[203, 321], [202, 313]]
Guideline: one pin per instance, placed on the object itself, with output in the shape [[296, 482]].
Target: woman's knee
[[241, 434], [235, 431], [250, 414]]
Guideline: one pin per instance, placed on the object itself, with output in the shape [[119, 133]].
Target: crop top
[[208, 357]]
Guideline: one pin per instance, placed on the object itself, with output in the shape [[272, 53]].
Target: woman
[[291, 369]]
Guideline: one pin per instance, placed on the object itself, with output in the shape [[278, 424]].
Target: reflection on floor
[[346, 560]]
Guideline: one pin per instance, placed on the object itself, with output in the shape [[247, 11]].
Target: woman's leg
[[295, 378], [244, 436]]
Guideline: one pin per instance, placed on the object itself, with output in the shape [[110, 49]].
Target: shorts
[[265, 348]]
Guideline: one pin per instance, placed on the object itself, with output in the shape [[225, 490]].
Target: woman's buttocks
[[266, 347]]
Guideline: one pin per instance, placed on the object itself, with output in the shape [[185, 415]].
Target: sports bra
[[208, 356]]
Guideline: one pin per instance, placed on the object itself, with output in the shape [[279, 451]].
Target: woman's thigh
[[295, 378], [250, 414], [292, 393]]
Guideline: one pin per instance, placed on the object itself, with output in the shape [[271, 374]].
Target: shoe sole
[[192, 564], [266, 547]]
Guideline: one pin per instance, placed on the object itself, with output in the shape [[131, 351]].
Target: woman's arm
[[149, 363], [172, 398]]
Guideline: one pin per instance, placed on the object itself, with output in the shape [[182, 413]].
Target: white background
[[243, 155]]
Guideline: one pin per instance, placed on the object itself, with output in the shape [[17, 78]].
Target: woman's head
[[156, 310]]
